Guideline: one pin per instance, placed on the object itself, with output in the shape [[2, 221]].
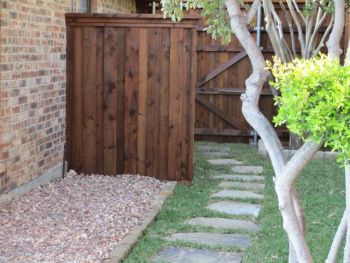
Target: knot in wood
[[244, 97]]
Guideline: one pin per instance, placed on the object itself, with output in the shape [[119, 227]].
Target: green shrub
[[315, 101]]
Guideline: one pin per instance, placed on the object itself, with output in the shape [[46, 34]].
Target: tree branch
[[290, 26], [324, 37], [319, 22], [298, 25], [252, 11], [333, 43], [337, 241], [299, 160]]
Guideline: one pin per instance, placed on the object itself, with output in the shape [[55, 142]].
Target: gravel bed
[[77, 219]]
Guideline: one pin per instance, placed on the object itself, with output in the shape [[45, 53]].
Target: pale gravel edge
[[127, 244]]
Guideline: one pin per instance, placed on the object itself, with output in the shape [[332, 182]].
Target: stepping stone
[[223, 223], [224, 162], [234, 208], [217, 151], [237, 194], [248, 169], [248, 186], [233, 177], [212, 239], [191, 255]]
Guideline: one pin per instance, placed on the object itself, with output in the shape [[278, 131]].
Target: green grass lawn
[[321, 187]]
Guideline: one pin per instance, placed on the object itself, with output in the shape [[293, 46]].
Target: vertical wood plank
[[175, 103], [164, 104], [77, 95], [114, 100], [191, 103], [69, 94], [142, 103], [131, 100], [120, 83], [99, 100], [186, 103], [89, 100], [153, 110]]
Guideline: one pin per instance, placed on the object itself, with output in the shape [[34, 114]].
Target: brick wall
[[32, 68]]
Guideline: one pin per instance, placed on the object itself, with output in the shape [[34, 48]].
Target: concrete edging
[[126, 245], [289, 153], [48, 176]]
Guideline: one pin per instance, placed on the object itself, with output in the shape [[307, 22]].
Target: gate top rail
[[129, 20]]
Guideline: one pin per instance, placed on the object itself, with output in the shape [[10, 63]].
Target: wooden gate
[[130, 95], [222, 71]]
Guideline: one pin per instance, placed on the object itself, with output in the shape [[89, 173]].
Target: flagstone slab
[[213, 148], [212, 239], [247, 186], [233, 177], [248, 169], [218, 222], [237, 194], [191, 255], [224, 162], [234, 208]]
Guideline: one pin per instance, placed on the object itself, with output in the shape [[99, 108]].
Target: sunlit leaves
[[218, 24], [315, 100]]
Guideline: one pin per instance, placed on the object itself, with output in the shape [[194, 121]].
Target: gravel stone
[[77, 219]]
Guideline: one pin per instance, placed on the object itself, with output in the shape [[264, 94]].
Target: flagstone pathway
[[238, 198]]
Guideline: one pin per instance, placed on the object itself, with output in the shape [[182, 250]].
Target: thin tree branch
[[299, 11], [309, 27], [272, 32], [290, 26], [337, 241], [252, 11], [298, 25], [324, 37], [319, 22]]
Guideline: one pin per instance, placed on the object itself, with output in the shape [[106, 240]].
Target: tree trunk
[[347, 212], [257, 120]]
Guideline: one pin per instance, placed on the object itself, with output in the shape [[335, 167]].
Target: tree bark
[[338, 240], [347, 212], [333, 43]]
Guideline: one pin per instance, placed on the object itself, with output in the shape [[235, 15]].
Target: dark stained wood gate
[[221, 74], [130, 95]]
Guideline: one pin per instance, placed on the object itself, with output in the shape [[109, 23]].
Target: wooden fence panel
[[130, 95], [221, 74]]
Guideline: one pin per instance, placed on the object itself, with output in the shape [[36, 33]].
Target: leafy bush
[[315, 101]]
